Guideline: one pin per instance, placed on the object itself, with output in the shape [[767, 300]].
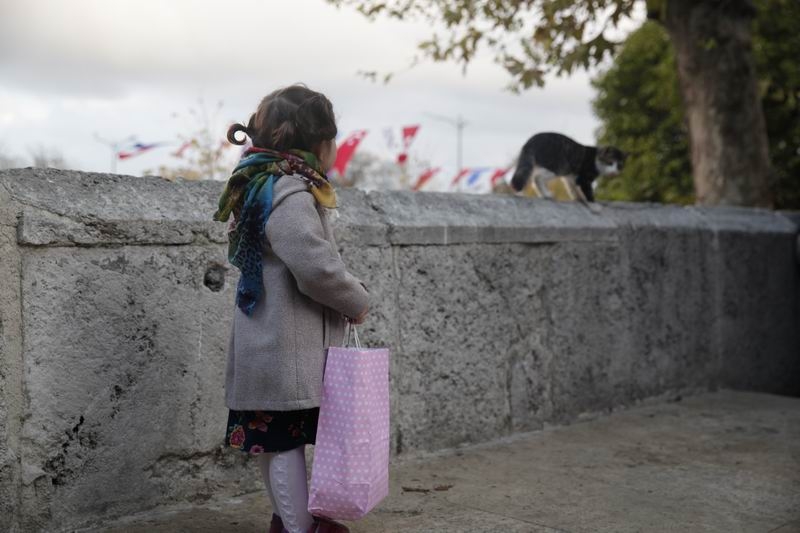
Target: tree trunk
[[716, 71]]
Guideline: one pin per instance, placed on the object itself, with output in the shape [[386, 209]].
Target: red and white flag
[[425, 177], [409, 132], [179, 152], [498, 175], [458, 177], [346, 151], [136, 148]]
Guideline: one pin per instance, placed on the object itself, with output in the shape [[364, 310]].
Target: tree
[[201, 158], [202, 151], [40, 157], [639, 104], [367, 170], [641, 111], [44, 157], [371, 172], [777, 40], [714, 61], [717, 77], [7, 160]]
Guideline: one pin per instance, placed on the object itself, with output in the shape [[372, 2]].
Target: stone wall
[[502, 313]]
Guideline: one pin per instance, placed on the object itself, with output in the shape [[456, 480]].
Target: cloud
[[71, 68], [101, 46]]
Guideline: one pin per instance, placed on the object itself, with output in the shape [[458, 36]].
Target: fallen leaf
[[415, 489]]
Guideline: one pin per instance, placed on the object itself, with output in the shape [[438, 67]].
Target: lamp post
[[114, 146], [459, 124]]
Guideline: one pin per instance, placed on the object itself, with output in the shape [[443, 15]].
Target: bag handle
[[352, 332]]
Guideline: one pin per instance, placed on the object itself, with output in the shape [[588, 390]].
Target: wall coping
[[53, 207]]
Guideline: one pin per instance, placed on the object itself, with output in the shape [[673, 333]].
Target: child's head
[[292, 117]]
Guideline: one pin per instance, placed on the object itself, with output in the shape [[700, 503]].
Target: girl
[[293, 296]]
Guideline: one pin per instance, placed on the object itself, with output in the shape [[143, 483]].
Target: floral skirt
[[271, 431]]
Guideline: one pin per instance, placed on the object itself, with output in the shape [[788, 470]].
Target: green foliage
[[776, 45], [528, 38], [640, 108], [639, 104], [638, 98]]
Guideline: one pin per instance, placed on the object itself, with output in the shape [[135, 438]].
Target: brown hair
[[292, 117]]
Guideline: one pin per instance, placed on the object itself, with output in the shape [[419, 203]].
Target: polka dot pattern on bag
[[350, 473]]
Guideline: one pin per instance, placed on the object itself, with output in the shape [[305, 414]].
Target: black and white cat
[[550, 155]]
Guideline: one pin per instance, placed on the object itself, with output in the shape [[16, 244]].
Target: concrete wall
[[502, 314]]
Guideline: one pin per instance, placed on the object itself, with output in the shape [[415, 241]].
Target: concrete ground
[[720, 462]]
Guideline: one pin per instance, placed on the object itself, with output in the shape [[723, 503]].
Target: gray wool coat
[[276, 356]]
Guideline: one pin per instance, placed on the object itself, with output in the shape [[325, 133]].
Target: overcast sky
[[72, 69]]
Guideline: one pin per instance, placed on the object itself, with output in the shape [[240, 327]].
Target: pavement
[[721, 462]]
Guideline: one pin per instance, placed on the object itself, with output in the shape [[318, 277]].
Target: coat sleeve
[[294, 231]]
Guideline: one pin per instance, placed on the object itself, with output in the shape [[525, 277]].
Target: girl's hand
[[360, 318]]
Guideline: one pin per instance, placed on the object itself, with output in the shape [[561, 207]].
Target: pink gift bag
[[350, 472]]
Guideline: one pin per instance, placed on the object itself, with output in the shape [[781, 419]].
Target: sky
[[74, 73]]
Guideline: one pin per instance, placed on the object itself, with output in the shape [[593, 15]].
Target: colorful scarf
[[248, 195]]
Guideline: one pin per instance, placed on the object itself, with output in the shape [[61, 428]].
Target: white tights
[[285, 477]]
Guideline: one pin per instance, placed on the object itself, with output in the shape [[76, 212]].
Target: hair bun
[[308, 118], [233, 130], [292, 117]]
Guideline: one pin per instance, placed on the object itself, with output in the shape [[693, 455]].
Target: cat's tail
[[523, 171]]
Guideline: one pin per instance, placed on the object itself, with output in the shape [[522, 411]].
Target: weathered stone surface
[[502, 314], [712, 463], [11, 374], [668, 288], [358, 222], [124, 367], [445, 218], [62, 208]]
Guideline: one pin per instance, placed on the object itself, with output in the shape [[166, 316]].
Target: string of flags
[[470, 179], [466, 179], [133, 148], [425, 177], [475, 175], [180, 151], [478, 179], [347, 148]]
